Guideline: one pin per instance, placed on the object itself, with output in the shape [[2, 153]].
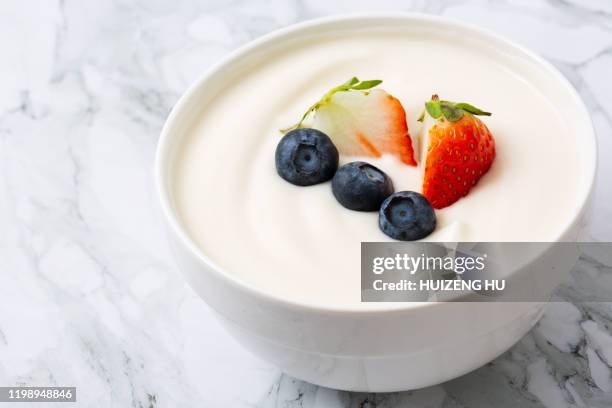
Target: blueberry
[[360, 186], [406, 216], [305, 157]]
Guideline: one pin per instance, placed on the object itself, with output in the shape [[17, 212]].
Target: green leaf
[[433, 108], [450, 111], [351, 82], [472, 109], [367, 84], [422, 117]]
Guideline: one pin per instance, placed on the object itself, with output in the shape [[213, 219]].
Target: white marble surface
[[89, 294]]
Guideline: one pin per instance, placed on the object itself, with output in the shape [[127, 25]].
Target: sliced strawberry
[[363, 122], [458, 149]]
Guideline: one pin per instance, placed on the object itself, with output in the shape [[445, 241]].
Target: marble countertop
[[89, 293]]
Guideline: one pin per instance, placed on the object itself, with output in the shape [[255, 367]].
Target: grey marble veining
[[89, 294]]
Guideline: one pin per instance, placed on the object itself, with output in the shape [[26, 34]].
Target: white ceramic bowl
[[393, 348]]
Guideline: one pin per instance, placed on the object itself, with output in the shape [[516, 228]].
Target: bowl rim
[[165, 139]]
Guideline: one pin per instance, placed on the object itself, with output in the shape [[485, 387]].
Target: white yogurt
[[298, 242]]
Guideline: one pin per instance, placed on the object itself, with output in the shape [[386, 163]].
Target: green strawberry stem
[[353, 84], [451, 111]]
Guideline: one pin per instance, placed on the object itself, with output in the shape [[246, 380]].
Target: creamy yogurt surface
[[299, 243]]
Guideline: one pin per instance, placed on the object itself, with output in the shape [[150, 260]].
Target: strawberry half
[[361, 121], [457, 149]]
